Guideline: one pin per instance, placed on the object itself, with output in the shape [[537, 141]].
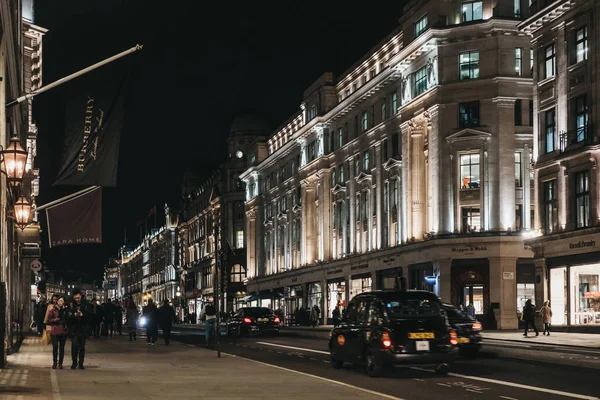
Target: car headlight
[[143, 321]]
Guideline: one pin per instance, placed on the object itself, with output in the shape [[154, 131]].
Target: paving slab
[[572, 339], [119, 369]]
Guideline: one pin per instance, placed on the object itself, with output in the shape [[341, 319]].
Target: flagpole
[[69, 197], [74, 75]]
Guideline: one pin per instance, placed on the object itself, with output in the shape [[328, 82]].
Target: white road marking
[[383, 395], [443, 384], [328, 362], [294, 348], [417, 379], [55, 387], [313, 359], [474, 391], [507, 398], [516, 385]]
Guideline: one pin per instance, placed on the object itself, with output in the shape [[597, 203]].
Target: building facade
[[415, 162], [212, 226], [565, 47], [150, 270], [20, 66]]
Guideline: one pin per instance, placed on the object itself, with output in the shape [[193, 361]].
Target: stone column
[[310, 225], [563, 197], [325, 228], [370, 239], [352, 201], [562, 78], [406, 178], [503, 290], [378, 197], [344, 213], [303, 227], [259, 243], [324, 304], [374, 281], [483, 188], [250, 243], [502, 167], [444, 266], [275, 267], [435, 173], [541, 288], [525, 163], [417, 173]]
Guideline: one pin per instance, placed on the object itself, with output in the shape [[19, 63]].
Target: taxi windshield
[[407, 308]]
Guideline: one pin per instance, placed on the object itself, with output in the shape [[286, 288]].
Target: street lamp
[[178, 294], [14, 159], [22, 210]]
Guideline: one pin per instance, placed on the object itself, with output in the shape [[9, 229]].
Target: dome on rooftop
[[249, 125]]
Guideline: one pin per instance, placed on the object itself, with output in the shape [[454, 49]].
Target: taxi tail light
[[477, 326], [453, 337], [386, 341], [247, 320], [277, 320]]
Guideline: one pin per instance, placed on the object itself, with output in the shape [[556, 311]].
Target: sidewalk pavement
[[572, 339], [117, 368]]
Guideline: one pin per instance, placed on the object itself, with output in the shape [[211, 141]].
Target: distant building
[[218, 202]]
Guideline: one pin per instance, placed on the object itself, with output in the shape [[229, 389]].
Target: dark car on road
[[386, 329], [253, 320], [468, 330]]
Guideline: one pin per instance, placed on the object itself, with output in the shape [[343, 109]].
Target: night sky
[[200, 67]]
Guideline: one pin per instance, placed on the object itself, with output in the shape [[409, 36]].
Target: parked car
[[386, 329], [253, 320], [468, 330]]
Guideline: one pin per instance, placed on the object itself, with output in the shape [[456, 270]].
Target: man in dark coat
[[166, 315], [529, 317], [149, 312], [78, 321]]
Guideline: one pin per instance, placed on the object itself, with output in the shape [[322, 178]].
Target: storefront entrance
[[336, 295], [473, 295], [575, 295], [470, 284]]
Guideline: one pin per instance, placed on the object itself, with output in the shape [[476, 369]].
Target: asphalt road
[[504, 370]]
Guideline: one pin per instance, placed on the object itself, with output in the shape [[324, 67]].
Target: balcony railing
[[583, 136]]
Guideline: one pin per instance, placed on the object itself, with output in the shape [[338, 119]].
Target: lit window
[[394, 103], [366, 165], [581, 44], [581, 117], [420, 26], [469, 171], [239, 235], [517, 8], [471, 219], [550, 62], [519, 61], [468, 114], [550, 207], [472, 11], [469, 65], [582, 196], [340, 137], [518, 171], [550, 131], [420, 82]]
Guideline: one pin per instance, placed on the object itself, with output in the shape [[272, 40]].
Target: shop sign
[[357, 267], [388, 260], [582, 244], [468, 249], [335, 271], [591, 295]]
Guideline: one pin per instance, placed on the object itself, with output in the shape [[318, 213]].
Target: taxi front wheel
[[335, 363], [442, 369]]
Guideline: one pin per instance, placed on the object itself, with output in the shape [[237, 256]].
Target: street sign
[[195, 292], [112, 283], [35, 265]]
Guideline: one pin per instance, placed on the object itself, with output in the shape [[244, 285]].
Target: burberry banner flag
[[77, 220], [95, 105]]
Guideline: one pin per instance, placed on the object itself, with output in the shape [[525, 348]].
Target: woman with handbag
[[46, 336], [56, 320]]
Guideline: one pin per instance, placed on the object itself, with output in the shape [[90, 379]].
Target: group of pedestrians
[[67, 321], [106, 319], [528, 317]]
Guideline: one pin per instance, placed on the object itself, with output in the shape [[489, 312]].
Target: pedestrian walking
[[40, 315], [166, 317], [95, 318], [149, 312], [132, 315], [78, 320], [546, 312], [314, 316], [209, 315], [529, 317], [109, 318], [46, 336], [57, 321], [118, 319]]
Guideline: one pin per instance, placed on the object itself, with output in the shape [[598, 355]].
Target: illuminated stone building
[[414, 161], [566, 156]]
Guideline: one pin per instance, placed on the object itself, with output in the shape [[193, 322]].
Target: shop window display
[[585, 294]]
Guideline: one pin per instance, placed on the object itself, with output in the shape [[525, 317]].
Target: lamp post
[[14, 159], [22, 210]]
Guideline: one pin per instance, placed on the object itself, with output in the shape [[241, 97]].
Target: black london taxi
[[468, 330], [386, 329]]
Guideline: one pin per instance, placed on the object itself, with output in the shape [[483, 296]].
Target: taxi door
[[360, 330]]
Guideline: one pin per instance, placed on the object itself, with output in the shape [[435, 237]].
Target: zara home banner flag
[[77, 220], [95, 106]]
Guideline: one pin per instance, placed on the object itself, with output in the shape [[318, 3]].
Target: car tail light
[[276, 320], [453, 337], [247, 320], [386, 340], [477, 326]]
